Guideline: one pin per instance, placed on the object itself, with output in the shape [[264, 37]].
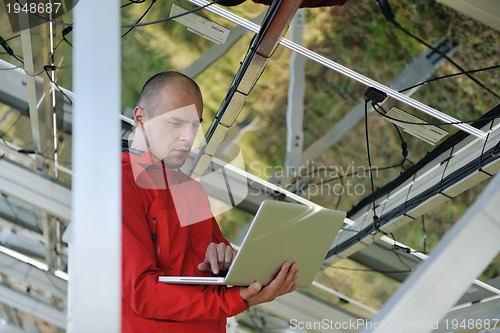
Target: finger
[[204, 266], [288, 281], [291, 277], [250, 291], [221, 254], [214, 262], [229, 256], [276, 285], [280, 278], [292, 274], [211, 258]]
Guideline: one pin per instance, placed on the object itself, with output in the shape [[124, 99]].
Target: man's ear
[[139, 116]]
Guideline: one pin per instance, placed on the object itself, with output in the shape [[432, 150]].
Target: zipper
[[155, 237]]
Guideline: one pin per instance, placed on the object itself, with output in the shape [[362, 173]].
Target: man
[[167, 227]]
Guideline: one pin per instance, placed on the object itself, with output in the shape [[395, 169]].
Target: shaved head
[[149, 97]]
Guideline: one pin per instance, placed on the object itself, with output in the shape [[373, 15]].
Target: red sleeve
[[141, 291]]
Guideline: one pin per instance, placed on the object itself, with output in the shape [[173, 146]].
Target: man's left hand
[[217, 258]]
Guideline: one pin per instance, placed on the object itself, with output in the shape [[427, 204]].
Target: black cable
[[425, 235], [127, 4], [48, 68], [484, 147], [67, 41], [64, 32], [396, 248], [404, 145], [9, 51], [375, 217], [448, 76], [51, 55], [140, 18], [340, 196], [13, 37], [386, 10], [460, 68]]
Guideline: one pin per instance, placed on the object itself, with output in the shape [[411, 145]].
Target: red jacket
[[154, 243]]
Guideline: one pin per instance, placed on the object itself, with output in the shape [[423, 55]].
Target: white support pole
[[296, 92], [437, 284], [95, 239]]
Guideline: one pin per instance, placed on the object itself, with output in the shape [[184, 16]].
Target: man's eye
[[176, 124]]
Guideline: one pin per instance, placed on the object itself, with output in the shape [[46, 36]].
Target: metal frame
[[475, 236]]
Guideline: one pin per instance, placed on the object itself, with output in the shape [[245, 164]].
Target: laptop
[[280, 231]]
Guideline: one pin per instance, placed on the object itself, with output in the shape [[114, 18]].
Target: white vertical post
[[94, 303], [296, 92]]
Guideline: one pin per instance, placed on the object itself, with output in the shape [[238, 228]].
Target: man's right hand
[[283, 283]]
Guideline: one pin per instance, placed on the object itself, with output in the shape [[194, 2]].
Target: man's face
[[172, 129]]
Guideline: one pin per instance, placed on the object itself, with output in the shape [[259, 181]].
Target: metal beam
[[25, 273], [6, 328], [14, 92], [484, 11], [296, 92], [39, 103], [35, 189], [20, 217], [439, 282], [32, 306], [50, 240]]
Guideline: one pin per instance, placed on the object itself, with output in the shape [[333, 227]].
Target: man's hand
[[217, 258], [283, 283]]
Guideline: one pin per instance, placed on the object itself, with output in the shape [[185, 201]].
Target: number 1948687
[[34, 8]]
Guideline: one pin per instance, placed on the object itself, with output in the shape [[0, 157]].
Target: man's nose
[[188, 133]]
